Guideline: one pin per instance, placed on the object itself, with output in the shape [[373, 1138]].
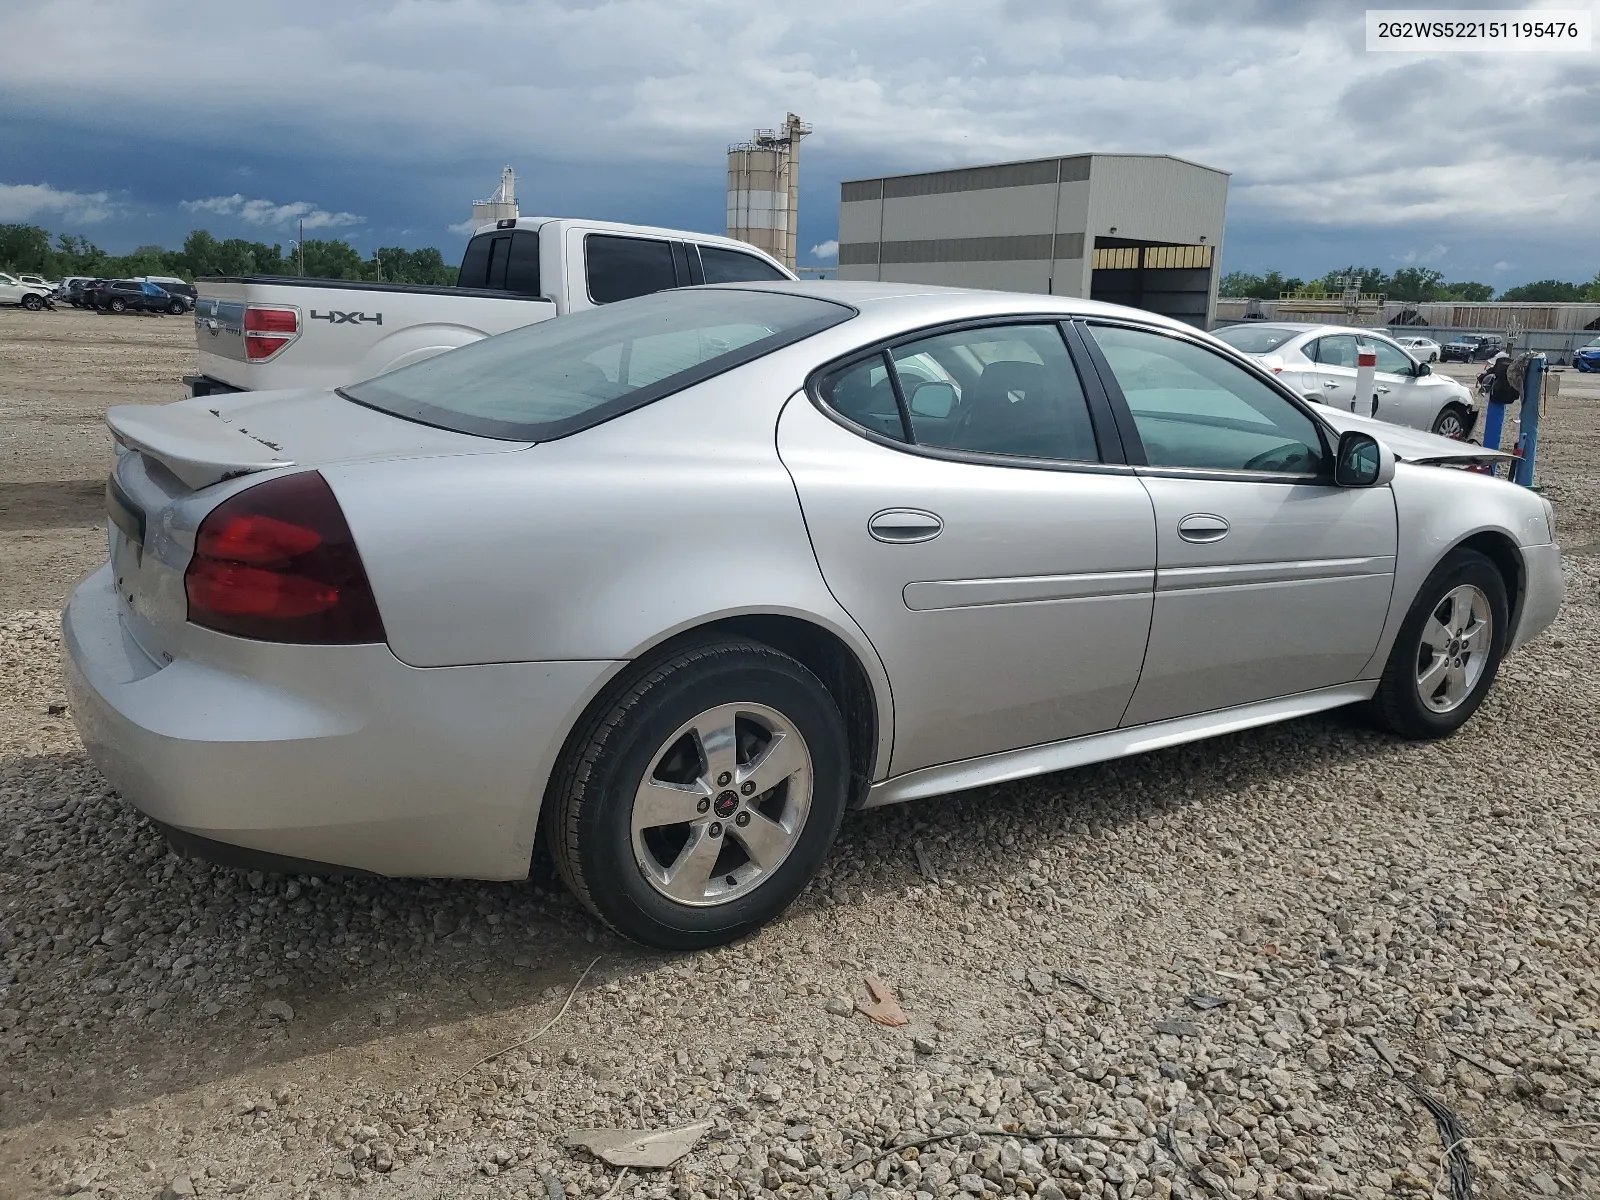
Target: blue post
[[1528, 443], [1494, 421]]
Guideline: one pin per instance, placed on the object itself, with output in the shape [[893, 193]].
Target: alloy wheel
[[1450, 425], [722, 805], [1454, 651]]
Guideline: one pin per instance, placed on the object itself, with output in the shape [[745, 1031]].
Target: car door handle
[[900, 525], [1383, 389], [1202, 527], [1328, 383]]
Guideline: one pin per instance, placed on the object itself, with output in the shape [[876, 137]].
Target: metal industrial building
[[1137, 229]]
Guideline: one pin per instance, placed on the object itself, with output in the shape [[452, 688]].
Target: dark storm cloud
[[404, 112]]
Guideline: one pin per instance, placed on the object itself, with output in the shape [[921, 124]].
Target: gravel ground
[[1274, 964]]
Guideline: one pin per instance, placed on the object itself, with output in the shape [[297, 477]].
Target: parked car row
[[150, 294]]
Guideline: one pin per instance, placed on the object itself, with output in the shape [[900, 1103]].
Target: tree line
[[30, 248], [1416, 285]]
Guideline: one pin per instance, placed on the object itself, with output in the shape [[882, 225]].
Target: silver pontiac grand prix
[[679, 580]]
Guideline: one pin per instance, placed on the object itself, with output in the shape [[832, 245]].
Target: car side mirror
[[1362, 461], [933, 399], [1423, 369]]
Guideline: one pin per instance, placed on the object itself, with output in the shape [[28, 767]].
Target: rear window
[[504, 260], [557, 377], [730, 266], [1254, 339]]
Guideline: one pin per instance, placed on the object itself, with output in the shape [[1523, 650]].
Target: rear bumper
[[1542, 594], [204, 385], [338, 755]]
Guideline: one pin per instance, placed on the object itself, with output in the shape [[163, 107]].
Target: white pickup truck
[[262, 332]]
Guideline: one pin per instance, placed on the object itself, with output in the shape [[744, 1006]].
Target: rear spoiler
[[193, 442]]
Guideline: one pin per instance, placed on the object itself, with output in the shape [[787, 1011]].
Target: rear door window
[[730, 266], [1335, 350], [620, 268]]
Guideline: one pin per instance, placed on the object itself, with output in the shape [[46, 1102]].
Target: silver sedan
[[1321, 363], [678, 581]]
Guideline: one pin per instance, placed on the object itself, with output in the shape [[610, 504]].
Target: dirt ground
[[1154, 872], [59, 372]]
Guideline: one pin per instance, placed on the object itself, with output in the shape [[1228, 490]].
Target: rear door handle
[[1328, 383], [900, 525], [1202, 527]]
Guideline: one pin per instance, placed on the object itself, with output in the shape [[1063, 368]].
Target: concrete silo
[[764, 189], [501, 205]]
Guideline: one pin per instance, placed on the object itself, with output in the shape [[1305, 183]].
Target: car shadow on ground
[[145, 974]]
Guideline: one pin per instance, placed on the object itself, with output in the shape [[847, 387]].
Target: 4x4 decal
[[346, 318]]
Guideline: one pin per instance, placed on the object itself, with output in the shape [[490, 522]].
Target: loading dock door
[[1160, 277]]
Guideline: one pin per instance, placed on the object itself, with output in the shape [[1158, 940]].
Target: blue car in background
[[1587, 357]]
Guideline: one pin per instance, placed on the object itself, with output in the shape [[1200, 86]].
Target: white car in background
[[31, 296], [1420, 348], [1320, 362]]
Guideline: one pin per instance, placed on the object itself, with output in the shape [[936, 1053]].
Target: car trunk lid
[[208, 439], [168, 454]]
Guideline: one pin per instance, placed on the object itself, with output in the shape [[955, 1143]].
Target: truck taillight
[[268, 330], [276, 563]]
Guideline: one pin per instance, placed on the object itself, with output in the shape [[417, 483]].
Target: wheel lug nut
[[742, 820], [724, 779], [748, 786], [716, 829], [703, 805]]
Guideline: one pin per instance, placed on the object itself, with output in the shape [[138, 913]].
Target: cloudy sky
[[134, 121]]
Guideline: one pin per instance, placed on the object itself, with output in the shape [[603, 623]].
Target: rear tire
[[1453, 421], [1443, 644], [634, 865]]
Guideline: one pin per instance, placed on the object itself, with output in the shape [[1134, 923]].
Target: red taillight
[[268, 330], [276, 563]]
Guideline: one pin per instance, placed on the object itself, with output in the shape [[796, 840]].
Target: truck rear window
[[561, 376], [505, 260]]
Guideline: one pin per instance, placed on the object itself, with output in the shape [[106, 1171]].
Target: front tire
[[1453, 421], [32, 303], [117, 306], [1448, 651], [696, 804]]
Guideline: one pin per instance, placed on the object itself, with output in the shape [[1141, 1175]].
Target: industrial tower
[[764, 189]]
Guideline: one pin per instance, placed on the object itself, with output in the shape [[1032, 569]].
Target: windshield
[[560, 376], [1255, 339]]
